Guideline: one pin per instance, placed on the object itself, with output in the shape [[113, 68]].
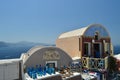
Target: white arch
[[96, 27], [33, 51]]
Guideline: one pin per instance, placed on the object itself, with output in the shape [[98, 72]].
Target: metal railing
[[95, 63]]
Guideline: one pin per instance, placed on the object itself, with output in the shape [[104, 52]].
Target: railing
[[95, 63]]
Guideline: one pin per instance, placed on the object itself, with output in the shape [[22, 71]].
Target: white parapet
[[11, 69]]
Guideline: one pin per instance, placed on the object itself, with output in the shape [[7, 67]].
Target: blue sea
[[12, 52]]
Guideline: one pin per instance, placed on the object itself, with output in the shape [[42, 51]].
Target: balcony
[[95, 63]]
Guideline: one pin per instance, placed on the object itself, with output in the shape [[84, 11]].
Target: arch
[[93, 28], [41, 55]]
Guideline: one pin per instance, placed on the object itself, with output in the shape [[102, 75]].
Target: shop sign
[[51, 54]]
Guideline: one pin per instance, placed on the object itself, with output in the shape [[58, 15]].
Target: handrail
[[95, 63]]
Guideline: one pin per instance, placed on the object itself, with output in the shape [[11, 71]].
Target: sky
[[44, 20]]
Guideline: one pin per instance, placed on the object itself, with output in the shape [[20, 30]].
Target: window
[[85, 49], [107, 47]]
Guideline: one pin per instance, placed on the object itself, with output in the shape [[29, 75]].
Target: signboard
[[51, 54]]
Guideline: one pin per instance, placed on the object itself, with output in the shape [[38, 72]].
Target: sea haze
[[14, 50]]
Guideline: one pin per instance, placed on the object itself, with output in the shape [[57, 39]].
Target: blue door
[[97, 50]]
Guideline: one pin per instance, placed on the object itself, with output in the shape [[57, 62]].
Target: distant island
[[14, 50]]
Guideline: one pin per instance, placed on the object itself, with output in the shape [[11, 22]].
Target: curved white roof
[[25, 56], [34, 49], [89, 30], [38, 55], [30, 52], [77, 32]]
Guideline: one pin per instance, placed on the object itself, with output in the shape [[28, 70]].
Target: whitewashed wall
[[10, 69]]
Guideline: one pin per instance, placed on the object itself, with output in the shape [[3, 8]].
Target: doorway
[[97, 50], [51, 64], [87, 49]]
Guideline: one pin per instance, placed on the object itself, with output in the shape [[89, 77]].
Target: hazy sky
[[44, 20]]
